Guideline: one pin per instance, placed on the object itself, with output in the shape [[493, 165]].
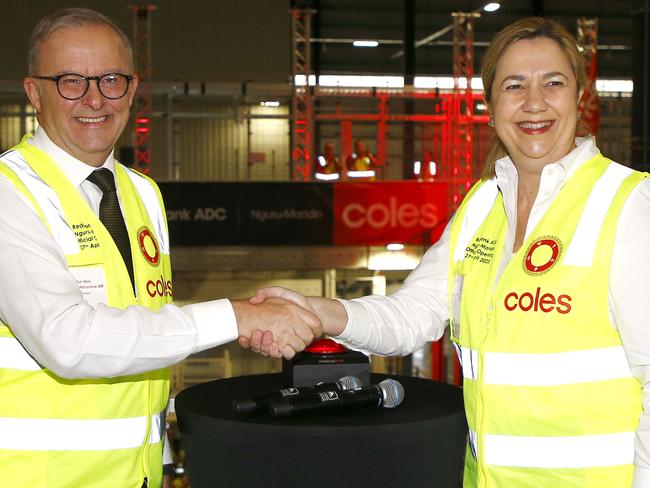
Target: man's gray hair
[[69, 18]]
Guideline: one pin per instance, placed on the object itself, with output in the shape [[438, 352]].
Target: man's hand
[[276, 327], [331, 313], [261, 341]]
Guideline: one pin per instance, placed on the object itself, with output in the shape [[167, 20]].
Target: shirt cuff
[[352, 335], [641, 477], [215, 323]]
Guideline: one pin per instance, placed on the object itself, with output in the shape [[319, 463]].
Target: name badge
[[92, 283]]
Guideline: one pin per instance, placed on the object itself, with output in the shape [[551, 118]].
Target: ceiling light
[[365, 43], [393, 260], [492, 6], [620, 86], [270, 103], [394, 246]]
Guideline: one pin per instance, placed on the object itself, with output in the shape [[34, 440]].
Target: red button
[[325, 346]]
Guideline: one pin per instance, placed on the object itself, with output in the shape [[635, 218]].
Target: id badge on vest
[[92, 283]]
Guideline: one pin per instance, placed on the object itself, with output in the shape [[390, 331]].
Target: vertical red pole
[[438, 360], [382, 151], [142, 103], [302, 117], [346, 139]]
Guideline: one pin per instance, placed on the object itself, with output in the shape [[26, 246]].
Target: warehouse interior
[[238, 93]]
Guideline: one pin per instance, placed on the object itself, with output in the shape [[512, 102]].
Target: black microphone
[[260, 403], [389, 394]]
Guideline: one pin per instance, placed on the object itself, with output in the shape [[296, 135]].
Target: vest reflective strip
[[555, 368], [582, 247], [477, 209], [151, 203], [20, 434], [47, 199], [469, 363], [14, 356], [327, 176], [473, 441], [559, 452], [361, 174]]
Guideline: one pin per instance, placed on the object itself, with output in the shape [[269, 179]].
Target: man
[[328, 167], [361, 164], [86, 322]]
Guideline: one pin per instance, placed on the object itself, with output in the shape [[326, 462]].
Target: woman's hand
[[332, 314]]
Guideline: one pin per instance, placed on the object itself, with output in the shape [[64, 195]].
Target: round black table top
[[424, 401], [420, 443]]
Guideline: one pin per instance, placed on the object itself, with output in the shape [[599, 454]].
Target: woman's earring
[[491, 121], [579, 115]]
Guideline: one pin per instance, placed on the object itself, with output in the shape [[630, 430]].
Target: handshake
[[279, 322]]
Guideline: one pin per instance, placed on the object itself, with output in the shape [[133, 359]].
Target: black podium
[[421, 443]]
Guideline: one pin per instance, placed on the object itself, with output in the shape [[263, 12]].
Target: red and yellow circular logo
[[542, 255], [149, 246]]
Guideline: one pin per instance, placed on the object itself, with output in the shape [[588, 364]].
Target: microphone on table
[[261, 402], [388, 393]]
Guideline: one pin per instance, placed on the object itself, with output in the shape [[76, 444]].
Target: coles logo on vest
[[160, 287], [542, 302], [151, 252], [149, 246], [540, 257]]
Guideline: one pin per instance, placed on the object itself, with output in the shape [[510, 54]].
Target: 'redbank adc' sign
[[231, 214], [242, 214]]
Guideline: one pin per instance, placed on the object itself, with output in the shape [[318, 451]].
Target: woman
[[537, 276]]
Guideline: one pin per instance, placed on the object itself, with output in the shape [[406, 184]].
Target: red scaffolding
[[302, 120], [142, 103], [438, 128], [461, 138]]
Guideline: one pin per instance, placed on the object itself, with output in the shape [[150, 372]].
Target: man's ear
[[33, 92], [133, 86]]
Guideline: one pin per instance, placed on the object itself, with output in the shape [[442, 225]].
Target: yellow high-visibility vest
[[361, 167], [549, 396], [105, 432]]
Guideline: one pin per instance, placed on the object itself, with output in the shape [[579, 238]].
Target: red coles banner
[[406, 212]]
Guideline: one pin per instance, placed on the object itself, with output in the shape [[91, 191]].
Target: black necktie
[[111, 215]]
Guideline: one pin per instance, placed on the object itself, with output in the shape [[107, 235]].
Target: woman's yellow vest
[[549, 397], [105, 432]]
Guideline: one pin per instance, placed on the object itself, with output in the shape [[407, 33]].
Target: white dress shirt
[[42, 303], [417, 313]]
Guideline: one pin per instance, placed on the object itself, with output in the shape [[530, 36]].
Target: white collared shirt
[[405, 321], [41, 301], [76, 171]]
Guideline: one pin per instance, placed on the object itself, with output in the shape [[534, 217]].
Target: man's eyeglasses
[[72, 86]]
